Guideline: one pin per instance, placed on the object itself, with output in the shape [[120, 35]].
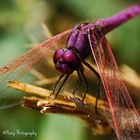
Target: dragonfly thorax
[[66, 60]]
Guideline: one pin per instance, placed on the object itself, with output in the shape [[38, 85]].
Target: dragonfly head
[[66, 60]]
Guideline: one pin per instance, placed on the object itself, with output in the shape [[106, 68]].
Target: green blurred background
[[21, 28]]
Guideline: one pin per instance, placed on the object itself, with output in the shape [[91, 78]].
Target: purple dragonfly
[[69, 51]]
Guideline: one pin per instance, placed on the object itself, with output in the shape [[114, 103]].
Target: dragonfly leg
[[77, 86], [99, 84], [56, 85], [98, 96], [65, 79], [83, 80]]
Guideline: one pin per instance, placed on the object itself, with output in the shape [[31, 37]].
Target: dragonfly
[[69, 51]]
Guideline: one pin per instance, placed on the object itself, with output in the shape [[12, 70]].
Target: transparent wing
[[124, 117], [20, 69]]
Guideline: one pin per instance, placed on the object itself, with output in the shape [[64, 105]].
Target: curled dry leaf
[[66, 104]]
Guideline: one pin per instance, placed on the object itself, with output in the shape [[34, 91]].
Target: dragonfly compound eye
[[72, 59], [58, 55], [60, 63]]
